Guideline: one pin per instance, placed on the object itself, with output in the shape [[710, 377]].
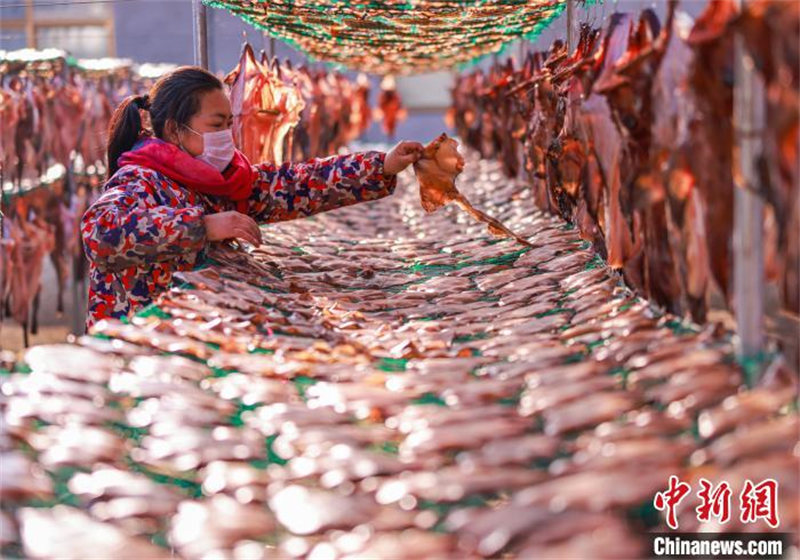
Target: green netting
[[752, 366], [236, 418], [645, 513], [429, 398], [388, 447], [301, 383], [594, 263], [153, 310], [186, 482], [273, 457], [128, 432], [398, 36], [392, 364], [471, 337]]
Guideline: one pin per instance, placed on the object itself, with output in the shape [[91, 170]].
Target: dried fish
[[305, 511], [71, 533], [521, 450], [453, 484], [77, 445], [463, 435], [589, 411], [436, 172], [626, 486], [750, 441], [742, 409], [541, 398], [216, 524], [70, 361], [22, 479]]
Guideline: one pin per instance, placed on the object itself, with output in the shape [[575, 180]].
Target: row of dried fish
[[384, 383], [283, 113]]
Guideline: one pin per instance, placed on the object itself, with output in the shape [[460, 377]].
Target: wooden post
[[748, 243], [200, 34]]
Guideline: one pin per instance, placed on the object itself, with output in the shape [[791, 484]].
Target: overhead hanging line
[[398, 36]]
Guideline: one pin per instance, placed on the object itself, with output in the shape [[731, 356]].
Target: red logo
[[755, 501], [671, 498], [716, 502], [760, 502]]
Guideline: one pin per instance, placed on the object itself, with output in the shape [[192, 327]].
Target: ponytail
[[124, 129]]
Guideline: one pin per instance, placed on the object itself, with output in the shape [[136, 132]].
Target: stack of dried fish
[[630, 137], [383, 383]]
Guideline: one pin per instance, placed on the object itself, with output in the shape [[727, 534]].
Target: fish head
[[448, 156]]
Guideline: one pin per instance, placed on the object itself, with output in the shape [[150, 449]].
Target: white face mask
[[218, 148]]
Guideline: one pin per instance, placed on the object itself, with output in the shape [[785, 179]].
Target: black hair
[[175, 96]]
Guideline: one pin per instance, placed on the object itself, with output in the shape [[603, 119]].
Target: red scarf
[[235, 183]]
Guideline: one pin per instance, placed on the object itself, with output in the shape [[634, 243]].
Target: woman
[[182, 184]]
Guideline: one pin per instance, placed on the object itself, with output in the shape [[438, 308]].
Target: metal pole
[[572, 32], [748, 244], [200, 34]]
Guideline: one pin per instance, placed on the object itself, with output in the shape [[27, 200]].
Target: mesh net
[[397, 36]]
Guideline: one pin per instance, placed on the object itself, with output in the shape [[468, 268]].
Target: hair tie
[[143, 102]]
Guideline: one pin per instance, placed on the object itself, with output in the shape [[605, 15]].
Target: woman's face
[[214, 115]]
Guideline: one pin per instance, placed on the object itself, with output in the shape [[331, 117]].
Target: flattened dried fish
[[521, 450], [588, 411], [436, 173], [621, 487], [463, 435], [741, 409], [23, 479], [535, 400], [70, 361], [77, 445], [71, 533], [452, 484], [751, 441], [216, 524], [305, 511]]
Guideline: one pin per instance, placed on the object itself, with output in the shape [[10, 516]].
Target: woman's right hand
[[232, 225]]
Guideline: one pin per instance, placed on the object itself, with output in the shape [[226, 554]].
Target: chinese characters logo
[[756, 501]]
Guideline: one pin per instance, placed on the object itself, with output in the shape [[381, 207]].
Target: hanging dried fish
[[436, 173]]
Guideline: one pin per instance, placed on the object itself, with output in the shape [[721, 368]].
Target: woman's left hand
[[401, 156]]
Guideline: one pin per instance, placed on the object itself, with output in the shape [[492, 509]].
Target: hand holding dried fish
[[437, 171]]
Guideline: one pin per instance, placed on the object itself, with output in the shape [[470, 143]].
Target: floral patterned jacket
[[145, 225]]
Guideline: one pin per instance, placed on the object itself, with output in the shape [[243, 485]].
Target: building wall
[[162, 31], [81, 28]]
